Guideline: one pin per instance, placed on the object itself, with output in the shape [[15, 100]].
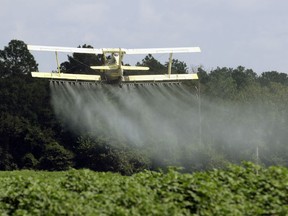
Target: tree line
[[32, 137]]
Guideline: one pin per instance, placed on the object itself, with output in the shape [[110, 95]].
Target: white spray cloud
[[137, 114], [166, 116]]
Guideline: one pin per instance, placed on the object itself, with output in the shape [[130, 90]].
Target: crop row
[[238, 190]]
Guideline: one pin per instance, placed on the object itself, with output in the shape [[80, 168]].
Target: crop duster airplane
[[113, 69]]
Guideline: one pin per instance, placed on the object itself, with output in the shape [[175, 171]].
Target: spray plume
[[165, 118]]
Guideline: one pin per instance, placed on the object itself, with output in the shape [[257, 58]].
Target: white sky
[[250, 33]]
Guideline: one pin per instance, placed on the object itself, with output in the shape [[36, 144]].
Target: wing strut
[[57, 62], [170, 64]]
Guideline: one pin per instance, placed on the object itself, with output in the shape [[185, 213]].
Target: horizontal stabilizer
[[114, 67], [49, 75], [134, 68], [164, 77], [105, 67]]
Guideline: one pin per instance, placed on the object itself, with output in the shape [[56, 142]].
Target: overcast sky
[[250, 33]]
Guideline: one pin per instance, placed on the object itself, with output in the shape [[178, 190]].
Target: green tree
[[202, 75], [243, 77], [29, 161], [16, 59], [273, 76], [102, 154], [80, 63], [6, 160], [27, 122], [221, 84], [178, 67], [56, 157], [155, 66]]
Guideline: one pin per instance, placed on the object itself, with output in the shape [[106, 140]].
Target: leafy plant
[[238, 190]]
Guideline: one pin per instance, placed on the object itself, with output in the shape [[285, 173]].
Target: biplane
[[113, 68]]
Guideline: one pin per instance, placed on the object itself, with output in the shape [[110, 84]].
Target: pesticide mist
[[170, 120], [137, 114]]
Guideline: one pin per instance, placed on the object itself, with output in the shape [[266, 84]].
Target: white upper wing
[[163, 50], [65, 49], [103, 50]]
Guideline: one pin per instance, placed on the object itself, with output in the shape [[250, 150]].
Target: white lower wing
[[67, 76], [132, 78], [164, 77]]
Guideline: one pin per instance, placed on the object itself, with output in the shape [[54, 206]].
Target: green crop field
[[238, 190]]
